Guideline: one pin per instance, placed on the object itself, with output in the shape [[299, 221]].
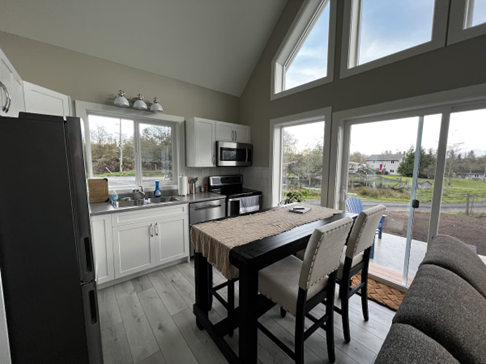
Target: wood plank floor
[[149, 320]]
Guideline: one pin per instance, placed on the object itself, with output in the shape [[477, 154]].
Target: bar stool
[[298, 286], [355, 259]]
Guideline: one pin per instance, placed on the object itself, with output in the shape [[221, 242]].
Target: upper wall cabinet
[[11, 89], [226, 132], [201, 138], [200, 142], [41, 100]]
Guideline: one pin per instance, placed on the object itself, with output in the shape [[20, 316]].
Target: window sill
[[304, 87]]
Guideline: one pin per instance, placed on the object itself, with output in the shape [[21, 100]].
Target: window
[[467, 20], [130, 152], [305, 58], [301, 167], [379, 32]]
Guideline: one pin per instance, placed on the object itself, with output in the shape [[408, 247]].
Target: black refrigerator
[[46, 259]]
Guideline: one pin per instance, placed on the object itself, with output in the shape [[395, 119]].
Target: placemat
[[215, 239]]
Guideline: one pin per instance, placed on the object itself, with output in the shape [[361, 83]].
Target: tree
[[453, 151], [426, 166], [358, 157]]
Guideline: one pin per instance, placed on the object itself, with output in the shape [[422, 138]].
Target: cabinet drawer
[[148, 214]]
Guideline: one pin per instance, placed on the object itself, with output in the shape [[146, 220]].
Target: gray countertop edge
[[104, 208]]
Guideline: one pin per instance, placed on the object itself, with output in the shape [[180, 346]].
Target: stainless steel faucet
[[140, 191]]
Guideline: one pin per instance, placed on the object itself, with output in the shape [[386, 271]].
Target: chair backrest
[[354, 205], [323, 253], [364, 230]]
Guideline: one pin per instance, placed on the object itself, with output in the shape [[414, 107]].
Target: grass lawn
[[455, 193]]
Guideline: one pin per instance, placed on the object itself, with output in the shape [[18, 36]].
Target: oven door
[[234, 154], [243, 205]]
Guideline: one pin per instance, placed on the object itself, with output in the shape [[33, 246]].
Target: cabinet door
[[224, 132], [41, 100], [242, 133], [103, 248], [134, 248], [172, 239], [4, 344], [6, 77], [205, 147]]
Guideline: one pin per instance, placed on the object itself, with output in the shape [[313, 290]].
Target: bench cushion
[[405, 344], [452, 254], [449, 310]]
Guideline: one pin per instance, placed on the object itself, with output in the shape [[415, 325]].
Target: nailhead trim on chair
[[315, 254]]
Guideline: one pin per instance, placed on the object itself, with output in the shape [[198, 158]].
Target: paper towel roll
[[182, 185]]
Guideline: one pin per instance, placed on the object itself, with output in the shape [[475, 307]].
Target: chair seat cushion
[[452, 254], [356, 260], [449, 310], [280, 283], [405, 344]]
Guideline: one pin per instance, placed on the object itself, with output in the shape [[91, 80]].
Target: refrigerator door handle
[[89, 261], [93, 307]]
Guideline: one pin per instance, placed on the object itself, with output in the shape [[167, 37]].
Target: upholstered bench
[[443, 316]]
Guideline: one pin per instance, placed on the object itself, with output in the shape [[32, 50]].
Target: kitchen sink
[[137, 199]]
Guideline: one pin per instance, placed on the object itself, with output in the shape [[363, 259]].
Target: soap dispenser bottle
[[157, 192]]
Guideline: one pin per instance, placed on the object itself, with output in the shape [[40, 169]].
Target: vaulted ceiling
[[210, 43]]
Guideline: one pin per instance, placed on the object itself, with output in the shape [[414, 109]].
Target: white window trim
[[84, 109], [460, 16], [350, 43], [276, 135], [294, 39]]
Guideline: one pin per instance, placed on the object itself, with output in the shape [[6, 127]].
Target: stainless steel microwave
[[231, 154]]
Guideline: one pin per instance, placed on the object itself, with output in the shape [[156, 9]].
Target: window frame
[[351, 37], [84, 109], [276, 150], [294, 39], [460, 15]]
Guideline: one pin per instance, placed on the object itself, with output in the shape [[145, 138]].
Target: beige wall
[[92, 79], [451, 67]]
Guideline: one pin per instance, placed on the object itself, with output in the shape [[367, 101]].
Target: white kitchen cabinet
[[40, 100], [134, 248], [172, 239], [200, 142], [227, 132], [242, 133], [102, 236], [13, 83]]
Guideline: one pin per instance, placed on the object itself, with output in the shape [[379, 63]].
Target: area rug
[[381, 293]]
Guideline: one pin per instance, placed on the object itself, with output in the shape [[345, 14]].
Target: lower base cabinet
[[141, 241], [134, 248]]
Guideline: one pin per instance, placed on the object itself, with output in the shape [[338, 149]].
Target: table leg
[[201, 268], [248, 341]]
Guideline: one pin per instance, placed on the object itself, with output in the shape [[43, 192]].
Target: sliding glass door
[[392, 162], [463, 203]]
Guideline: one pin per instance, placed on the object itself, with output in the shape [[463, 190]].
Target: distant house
[[473, 175], [385, 162]]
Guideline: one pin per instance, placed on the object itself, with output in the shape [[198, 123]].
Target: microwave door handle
[[246, 159]]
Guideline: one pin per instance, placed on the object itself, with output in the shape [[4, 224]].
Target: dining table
[[249, 258]]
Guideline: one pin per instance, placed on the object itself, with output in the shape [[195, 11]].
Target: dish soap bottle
[[157, 192]]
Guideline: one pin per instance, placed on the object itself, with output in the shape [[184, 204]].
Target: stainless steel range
[[239, 200]]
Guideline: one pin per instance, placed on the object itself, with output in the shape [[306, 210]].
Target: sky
[[479, 12]]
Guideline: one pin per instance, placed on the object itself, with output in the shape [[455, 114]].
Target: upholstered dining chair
[[355, 259], [298, 286]]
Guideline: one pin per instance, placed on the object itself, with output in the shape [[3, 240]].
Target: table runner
[[215, 239]]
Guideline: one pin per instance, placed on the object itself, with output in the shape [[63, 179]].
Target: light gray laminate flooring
[[149, 320]]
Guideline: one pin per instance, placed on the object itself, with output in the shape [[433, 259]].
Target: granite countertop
[[101, 208]]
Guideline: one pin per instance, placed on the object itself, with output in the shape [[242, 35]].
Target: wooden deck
[[388, 274], [149, 320]]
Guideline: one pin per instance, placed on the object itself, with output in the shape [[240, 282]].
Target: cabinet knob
[[151, 230]]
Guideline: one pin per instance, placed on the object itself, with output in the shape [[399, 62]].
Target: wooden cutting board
[[98, 190]]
